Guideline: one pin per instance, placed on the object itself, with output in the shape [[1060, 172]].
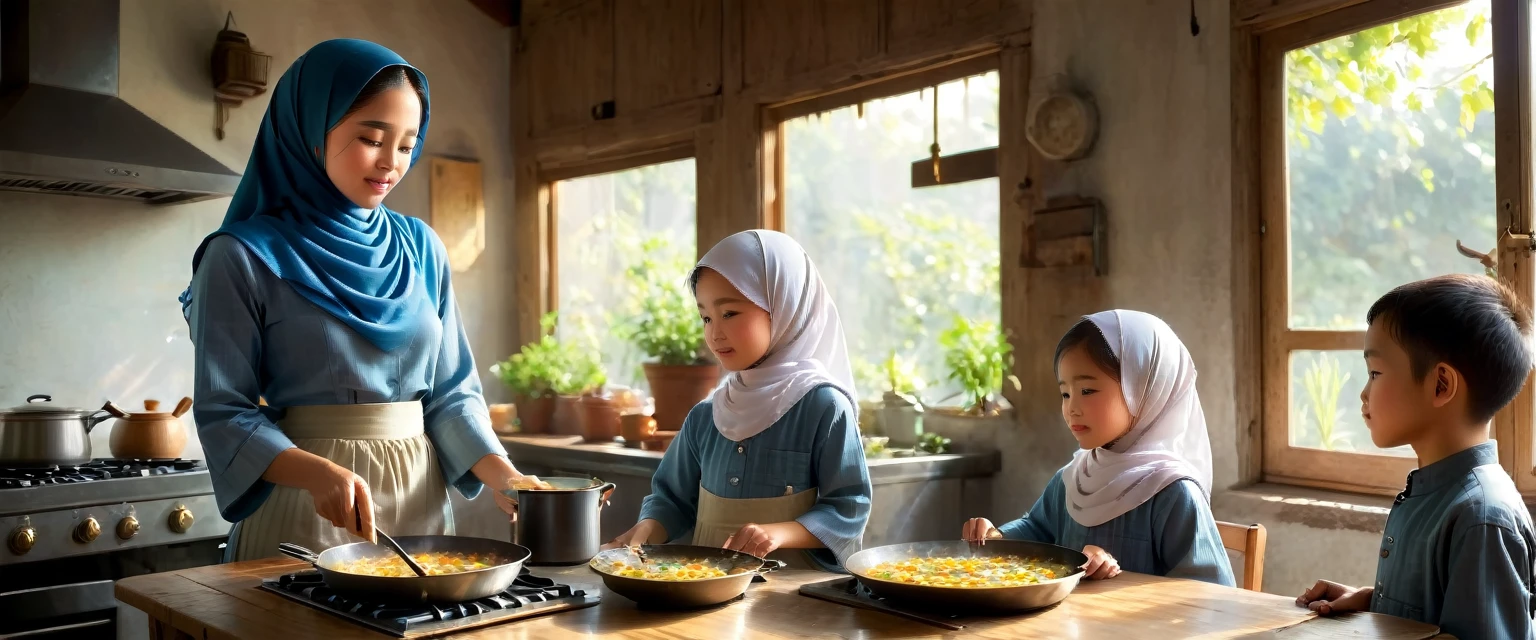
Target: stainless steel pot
[[561, 526], [40, 434]]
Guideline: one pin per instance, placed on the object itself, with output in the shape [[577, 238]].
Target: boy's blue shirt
[[1457, 551]]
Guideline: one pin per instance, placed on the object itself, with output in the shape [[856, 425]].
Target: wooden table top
[[222, 601]]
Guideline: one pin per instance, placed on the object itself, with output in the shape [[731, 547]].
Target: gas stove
[[529, 596], [105, 505], [99, 469], [70, 531]]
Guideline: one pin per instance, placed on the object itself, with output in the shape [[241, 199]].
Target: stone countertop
[[558, 451]]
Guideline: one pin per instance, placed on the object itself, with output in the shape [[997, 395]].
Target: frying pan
[[683, 594], [455, 587], [972, 599]]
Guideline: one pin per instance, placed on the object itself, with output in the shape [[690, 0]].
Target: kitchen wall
[[88, 287], [1162, 167]]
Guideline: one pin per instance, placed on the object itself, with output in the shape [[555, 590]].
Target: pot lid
[[41, 406]]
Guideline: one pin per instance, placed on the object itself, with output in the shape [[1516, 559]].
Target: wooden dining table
[[223, 601]]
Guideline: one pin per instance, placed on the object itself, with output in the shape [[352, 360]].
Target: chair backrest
[[1249, 540]]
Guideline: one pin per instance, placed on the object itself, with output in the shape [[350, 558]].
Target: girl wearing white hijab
[[772, 460], [1136, 496]]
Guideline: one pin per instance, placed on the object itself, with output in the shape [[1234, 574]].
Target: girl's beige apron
[[385, 445], [719, 518]]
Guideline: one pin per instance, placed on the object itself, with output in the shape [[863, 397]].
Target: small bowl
[[636, 428], [503, 416]]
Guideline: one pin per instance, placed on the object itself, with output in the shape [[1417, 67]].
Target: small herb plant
[[533, 371], [933, 443], [554, 366], [901, 378], [582, 357], [667, 325], [978, 357]]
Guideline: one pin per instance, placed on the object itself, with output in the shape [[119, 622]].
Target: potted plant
[[979, 359], [901, 412], [599, 409], [530, 375], [667, 329], [580, 373]]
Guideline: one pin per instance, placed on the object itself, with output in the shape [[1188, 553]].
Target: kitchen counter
[[570, 451], [917, 498], [222, 601]]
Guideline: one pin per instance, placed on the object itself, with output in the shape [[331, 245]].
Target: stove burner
[[98, 469], [528, 596], [851, 592]]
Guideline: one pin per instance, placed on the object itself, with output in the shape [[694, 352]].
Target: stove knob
[[181, 520], [127, 527], [21, 540], [88, 530]]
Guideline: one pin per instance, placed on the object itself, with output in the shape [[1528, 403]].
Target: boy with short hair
[[1444, 355]]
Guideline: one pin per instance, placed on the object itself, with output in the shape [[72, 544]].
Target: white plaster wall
[[1162, 167], [88, 287]]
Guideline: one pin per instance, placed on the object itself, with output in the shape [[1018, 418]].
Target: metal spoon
[[639, 553], [389, 542]]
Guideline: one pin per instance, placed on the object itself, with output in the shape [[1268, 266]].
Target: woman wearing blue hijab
[[338, 313]]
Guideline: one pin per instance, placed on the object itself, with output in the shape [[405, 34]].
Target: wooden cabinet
[[667, 51], [569, 48], [782, 39], [636, 54], [920, 26]]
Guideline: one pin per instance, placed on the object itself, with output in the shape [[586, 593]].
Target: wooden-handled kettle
[[151, 434]]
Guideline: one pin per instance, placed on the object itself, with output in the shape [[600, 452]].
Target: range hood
[[63, 128]]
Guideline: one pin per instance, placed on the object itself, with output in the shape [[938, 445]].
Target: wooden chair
[[1249, 540]]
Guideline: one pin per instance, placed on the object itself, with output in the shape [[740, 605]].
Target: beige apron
[[386, 446], [719, 518]]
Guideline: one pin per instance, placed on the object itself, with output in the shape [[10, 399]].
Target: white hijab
[[1167, 441], [805, 347]]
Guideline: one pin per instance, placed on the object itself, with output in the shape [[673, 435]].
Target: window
[[1378, 156], [605, 223], [900, 262]]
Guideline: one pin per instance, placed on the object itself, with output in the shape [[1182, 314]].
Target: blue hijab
[[365, 267]]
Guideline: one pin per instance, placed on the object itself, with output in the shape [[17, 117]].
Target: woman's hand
[[647, 531], [343, 498], [497, 472], [1328, 598], [979, 530], [1100, 565]]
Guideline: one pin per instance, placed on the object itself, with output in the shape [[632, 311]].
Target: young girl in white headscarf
[[1136, 496], [772, 460]]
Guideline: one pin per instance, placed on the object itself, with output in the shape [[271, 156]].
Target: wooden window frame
[[549, 178], [775, 115], [1513, 426]]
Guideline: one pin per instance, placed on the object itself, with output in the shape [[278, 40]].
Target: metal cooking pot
[[561, 526], [40, 434]]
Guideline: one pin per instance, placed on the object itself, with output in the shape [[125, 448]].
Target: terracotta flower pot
[[599, 419], [677, 388], [567, 420], [535, 414], [968, 433]]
